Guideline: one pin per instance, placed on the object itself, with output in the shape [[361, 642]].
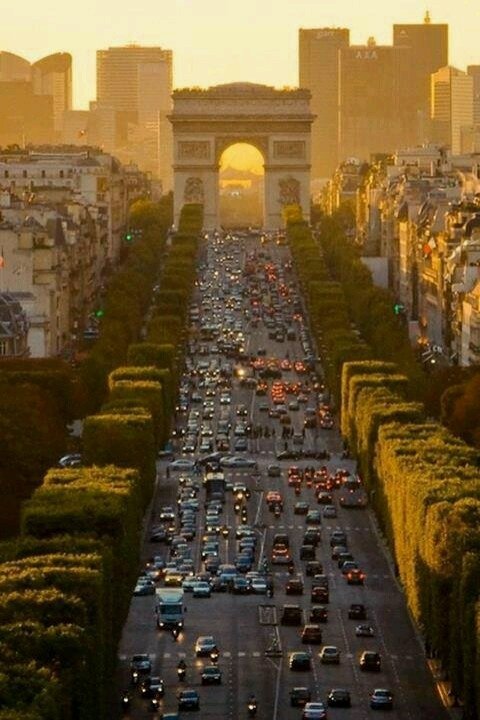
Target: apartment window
[[3, 347], [61, 173], [6, 173], [25, 174], [43, 173]]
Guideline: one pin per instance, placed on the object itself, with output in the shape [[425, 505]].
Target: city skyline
[[187, 29]]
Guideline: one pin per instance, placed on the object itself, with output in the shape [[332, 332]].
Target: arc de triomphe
[[208, 121]]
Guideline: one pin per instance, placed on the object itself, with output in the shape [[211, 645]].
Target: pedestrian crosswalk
[[239, 654]]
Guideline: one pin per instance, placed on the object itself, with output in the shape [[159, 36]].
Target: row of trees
[[66, 582], [423, 482]]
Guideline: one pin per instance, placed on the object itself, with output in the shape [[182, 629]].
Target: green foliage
[[162, 356], [146, 393]]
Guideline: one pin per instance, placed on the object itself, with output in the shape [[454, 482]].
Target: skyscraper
[[136, 82], [52, 75], [474, 72], [451, 106], [14, 68], [428, 51], [319, 72], [369, 99]]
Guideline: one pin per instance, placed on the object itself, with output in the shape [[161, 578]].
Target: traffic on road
[[265, 589]]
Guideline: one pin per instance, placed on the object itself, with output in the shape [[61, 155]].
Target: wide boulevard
[[247, 293]]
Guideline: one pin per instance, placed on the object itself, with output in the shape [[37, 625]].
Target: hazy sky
[[217, 41]]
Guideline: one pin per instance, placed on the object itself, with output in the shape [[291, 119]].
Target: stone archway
[[208, 121]]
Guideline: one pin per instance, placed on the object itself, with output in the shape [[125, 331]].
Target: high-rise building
[[474, 72], [319, 72], [52, 75], [451, 106], [428, 51], [14, 68], [369, 99], [136, 82], [24, 117]]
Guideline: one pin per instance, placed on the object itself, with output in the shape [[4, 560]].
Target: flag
[[2, 260]]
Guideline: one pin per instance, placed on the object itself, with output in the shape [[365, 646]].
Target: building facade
[[451, 106]]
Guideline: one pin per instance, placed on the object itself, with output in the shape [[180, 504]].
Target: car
[[339, 697], [170, 716], [324, 498], [329, 511], [189, 583], [181, 464], [274, 471], [152, 687], [211, 675], [355, 577], [307, 552], [204, 645], [240, 586], [300, 696], [313, 567], [347, 566], [313, 517], [312, 536], [141, 664], [144, 586], [241, 445], [381, 699], [342, 557], [258, 585], [294, 586], [291, 615], [188, 700], [300, 661], [314, 711], [364, 631], [329, 654], [311, 635], [370, 660], [237, 461], [301, 508], [158, 534], [357, 611], [72, 460], [201, 590], [338, 537]]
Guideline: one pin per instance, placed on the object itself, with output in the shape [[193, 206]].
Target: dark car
[[313, 567], [307, 552], [312, 536], [240, 586], [152, 687], [339, 697], [318, 614], [357, 611], [300, 661], [320, 594], [188, 700], [141, 664], [299, 696], [211, 675], [294, 587], [370, 660], [311, 635], [291, 615]]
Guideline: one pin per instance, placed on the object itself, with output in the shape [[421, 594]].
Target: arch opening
[[242, 186]]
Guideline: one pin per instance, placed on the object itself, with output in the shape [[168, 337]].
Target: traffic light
[[99, 313], [399, 308], [129, 236]]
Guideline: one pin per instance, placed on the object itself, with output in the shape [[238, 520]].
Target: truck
[[169, 608], [215, 486]]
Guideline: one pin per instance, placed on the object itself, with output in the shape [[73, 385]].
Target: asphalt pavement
[[246, 626]]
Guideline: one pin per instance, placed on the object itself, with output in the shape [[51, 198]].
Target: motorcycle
[[181, 672], [134, 677], [291, 568], [252, 708], [214, 655], [277, 511], [125, 701], [155, 704]]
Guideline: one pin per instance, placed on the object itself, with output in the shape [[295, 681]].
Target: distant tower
[[52, 75], [427, 20]]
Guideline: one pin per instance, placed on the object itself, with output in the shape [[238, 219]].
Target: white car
[[330, 654], [314, 711], [258, 586], [237, 461]]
